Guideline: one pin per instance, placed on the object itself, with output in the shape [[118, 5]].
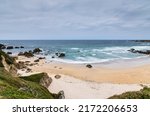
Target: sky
[[75, 19]]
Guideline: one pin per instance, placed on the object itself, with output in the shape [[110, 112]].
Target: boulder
[[21, 46], [26, 54], [9, 47], [60, 55], [53, 56], [61, 95], [37, 51], [9, 53], [28, 70], [89, 66], [57, 76], [41, 58], [146, 52], [17, 47], [36, 60], [46, 80]]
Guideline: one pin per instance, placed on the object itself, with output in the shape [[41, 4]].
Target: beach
[[99, 82]]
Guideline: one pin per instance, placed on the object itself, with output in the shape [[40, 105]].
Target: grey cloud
[[74, 16]]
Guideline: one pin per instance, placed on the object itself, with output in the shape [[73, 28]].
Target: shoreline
[[116, 73]]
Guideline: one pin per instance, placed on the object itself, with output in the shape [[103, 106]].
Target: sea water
[[82, 51]]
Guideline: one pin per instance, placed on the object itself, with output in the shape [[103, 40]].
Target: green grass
[[142, 94], [34, 78], [17, 88]]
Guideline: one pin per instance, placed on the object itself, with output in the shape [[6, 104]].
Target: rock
[[60, 55], [27, 62], [20, 65], [9, 47], [21, 46], [41, 58], [141, 40], [146, 52], [53, 56], [9, 53], [37, 51], [13, 70], [57, 76], [36, 60], [2, 46], [89, 66], [17, 47], [26, 54], [28, 70], [61, 95], [46, 80]]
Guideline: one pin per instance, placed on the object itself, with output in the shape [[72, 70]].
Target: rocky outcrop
[[2, 46], [60, 55], [146, 52], [45, 80], [89, 66], [28, 54], [37, 51], [10, 47], [11, 68]]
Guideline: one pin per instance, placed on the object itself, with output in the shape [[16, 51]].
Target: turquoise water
[[82, 51]]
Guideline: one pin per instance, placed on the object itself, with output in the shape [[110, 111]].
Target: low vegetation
[[142, 94], [21, 88]]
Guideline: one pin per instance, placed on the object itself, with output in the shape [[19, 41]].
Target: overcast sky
[[74, 19]]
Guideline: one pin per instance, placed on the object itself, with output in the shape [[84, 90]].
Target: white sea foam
[[74, 48]]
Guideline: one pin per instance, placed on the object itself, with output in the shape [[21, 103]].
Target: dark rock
[[61, 95], [26, 54], [9, 47], [2, 46], [46, 80], [9, 53], [27, 62], [89, 66], [60, 55], [17, 47], [28, 70], [36, 60], [37, 50], [41, 58], [146, 52], [21, 46], [57, 76], [53, 56], [141, 40]]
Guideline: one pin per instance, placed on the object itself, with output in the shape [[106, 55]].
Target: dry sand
[[101, 81]]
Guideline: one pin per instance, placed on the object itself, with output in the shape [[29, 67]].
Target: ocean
[[82, 51]]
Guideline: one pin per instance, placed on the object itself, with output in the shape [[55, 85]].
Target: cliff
[[13, 87]]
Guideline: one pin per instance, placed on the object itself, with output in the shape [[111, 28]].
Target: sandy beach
[[101, 81]]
